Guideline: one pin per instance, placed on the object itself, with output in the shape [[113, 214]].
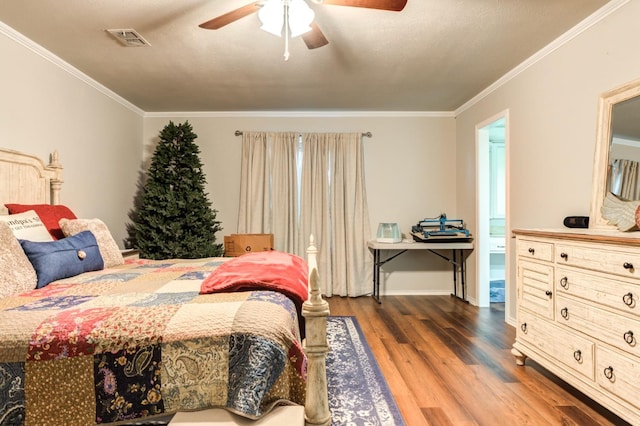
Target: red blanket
[[265, 270]]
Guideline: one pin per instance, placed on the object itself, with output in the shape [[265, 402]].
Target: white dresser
[[578, 312]]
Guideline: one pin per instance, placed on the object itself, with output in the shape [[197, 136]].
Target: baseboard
[[417, 292]]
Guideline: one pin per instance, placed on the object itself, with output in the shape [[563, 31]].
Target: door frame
[[482, 211]]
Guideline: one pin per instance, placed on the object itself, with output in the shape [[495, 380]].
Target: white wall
[[410, 163], [43, 107], [552, 108]]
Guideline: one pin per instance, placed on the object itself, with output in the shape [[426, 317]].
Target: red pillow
[[49, 215]]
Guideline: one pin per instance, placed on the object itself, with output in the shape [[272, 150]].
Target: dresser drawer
[[535, 249], [565, 346], [535, 287], [599, 288], [617, 330], [618, 374], [613, 260]]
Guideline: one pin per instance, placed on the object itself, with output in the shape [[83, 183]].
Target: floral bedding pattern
[[138, 340]]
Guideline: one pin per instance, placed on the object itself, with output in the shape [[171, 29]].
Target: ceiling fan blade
[[229, 17], [393, 5], [314, 38]]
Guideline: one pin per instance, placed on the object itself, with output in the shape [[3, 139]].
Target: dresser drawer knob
[[608, 373], [627, 265], [628, 299], [628, 337], [564, 282], [565, 256], [548, 293], [532, 251], [523, 327], [565, 313], [577, 355]]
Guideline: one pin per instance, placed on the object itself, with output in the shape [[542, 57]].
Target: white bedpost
[[56, 179], [315, 311]]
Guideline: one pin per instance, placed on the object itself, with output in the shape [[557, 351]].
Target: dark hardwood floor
[[449, 363]]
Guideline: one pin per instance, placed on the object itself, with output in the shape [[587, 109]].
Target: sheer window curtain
[[318, 189], [624, 180], [268, 187]]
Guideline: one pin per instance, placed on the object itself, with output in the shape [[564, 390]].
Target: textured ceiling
[[435, 55]]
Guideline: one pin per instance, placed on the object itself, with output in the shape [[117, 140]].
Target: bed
[[137, 340]]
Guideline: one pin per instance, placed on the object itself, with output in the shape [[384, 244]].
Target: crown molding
[[299, 114], [584, 25], [65, 66]]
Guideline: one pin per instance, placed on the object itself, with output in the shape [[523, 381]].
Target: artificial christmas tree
[[175, 218]]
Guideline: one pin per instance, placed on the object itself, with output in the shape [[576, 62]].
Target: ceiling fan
[[313, 38]]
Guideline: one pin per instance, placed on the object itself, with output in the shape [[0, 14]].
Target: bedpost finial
[[55, 162], [312, 245], [312, 251]]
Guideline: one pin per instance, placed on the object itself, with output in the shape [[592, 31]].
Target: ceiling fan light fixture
[[271, 14], [300, 17], [275, 14]]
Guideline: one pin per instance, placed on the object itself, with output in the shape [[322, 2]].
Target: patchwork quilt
[[139, 340]]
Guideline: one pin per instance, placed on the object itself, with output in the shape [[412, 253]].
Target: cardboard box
[[237, 244]]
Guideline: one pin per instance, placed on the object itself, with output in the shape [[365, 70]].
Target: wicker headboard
[[25, 179]]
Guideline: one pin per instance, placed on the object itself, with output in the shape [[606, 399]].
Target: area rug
[[358, 392]]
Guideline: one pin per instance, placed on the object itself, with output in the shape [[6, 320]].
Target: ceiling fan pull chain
[[286, 30]]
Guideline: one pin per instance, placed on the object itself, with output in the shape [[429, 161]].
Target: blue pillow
[[54, 260]]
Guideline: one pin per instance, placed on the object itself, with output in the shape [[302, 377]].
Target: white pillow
[[108, 247], [27, 226], [16, 272]]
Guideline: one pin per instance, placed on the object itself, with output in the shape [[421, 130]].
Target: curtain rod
[[364, 135]]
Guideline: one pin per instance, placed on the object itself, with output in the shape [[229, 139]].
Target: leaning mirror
[[616, 173]]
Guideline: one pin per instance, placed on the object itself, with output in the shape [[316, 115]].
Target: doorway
[[491, 144]]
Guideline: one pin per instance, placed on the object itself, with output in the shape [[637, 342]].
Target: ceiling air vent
[[129, 38]]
